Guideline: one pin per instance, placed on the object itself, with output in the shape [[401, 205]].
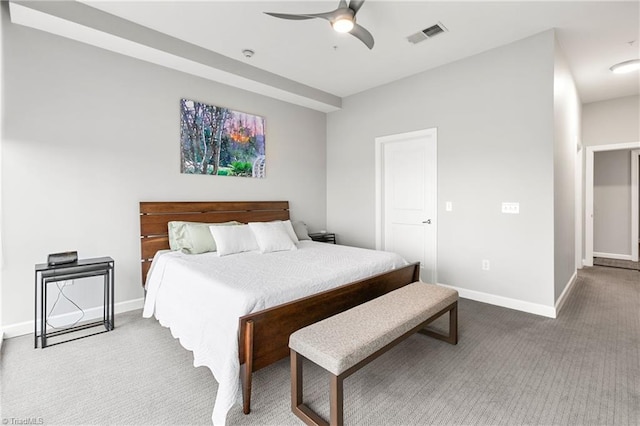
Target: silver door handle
[[428, 221]]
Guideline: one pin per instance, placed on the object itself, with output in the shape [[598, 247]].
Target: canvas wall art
[[219, 141]]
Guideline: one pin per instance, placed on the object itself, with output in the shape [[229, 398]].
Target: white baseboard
[[505, 302], [565, 293], [22, 328], [612, 256]]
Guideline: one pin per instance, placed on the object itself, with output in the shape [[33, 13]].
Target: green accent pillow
[[193, 237]]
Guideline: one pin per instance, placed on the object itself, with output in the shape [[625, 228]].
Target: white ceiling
[[593, 36], [307, 62]]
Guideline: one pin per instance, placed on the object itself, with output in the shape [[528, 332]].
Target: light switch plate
[[511, 208], [448, 206]]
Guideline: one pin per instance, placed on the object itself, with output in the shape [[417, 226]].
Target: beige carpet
[[510, 368]]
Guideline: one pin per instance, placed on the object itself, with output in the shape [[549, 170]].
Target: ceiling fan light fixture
[[343, 24], [342, 20], [626, 66]]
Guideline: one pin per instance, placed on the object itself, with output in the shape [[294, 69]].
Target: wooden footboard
[[264, 335]]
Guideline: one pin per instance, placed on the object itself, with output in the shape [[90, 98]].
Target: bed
[[257, 324]]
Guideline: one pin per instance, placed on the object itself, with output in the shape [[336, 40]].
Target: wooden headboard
[[155, 215]]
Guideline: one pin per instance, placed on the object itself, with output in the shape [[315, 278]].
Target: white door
[[408, 199]]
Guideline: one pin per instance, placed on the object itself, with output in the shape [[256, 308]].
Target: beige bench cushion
[[341, 341]]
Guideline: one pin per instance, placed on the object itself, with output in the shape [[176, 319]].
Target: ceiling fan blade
[[355, 5], [288, 16], [363, 35], [325, 15], [343, 4]]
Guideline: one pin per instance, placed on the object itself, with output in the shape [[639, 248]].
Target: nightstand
[[323, 237], [82, 268]]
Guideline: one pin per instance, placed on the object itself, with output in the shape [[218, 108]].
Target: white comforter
[[200, 297]]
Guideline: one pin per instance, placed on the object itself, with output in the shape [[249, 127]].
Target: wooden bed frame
[[263, 336]]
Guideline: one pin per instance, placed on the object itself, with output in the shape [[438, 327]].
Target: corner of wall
[[566, 145], [565, 293], [2, 18]]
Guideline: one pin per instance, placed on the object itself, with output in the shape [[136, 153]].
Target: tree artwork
[[220, 141]]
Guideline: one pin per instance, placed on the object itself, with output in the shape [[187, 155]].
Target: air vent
[[427, 33]]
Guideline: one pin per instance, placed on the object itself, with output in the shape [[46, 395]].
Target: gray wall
[[612, 202], [567, 114], [88, 134], [611, 121], [494, 115]]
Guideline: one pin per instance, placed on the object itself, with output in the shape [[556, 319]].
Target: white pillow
[[233, 239], [292, 233], [272, 236]]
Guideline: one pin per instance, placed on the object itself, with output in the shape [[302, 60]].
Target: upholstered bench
[[345, 342]]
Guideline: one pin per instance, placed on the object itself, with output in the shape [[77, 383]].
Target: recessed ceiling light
[[626, 66], [248, 53]]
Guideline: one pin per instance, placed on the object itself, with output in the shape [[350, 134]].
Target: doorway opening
[[589, 205]]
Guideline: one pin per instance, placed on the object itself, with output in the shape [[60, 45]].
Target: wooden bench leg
[[298, 407], [453, 326], [296, 380], [337, 398]]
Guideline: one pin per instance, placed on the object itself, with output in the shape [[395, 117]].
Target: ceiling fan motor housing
[[343, 20]]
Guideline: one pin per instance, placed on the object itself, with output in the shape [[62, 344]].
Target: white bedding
[[201, 297]]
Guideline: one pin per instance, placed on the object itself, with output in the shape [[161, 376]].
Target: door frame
[[635, 204], [588, 204], [379, 196]]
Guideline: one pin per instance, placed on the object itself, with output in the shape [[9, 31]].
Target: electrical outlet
[[485, 265]]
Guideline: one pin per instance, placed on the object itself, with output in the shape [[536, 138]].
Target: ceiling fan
[[343, 20]]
